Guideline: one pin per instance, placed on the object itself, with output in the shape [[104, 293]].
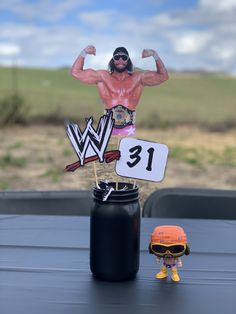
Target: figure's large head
[[168, 241], [120, 61]]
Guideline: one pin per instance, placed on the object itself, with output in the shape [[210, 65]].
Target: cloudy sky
[[187, 34]]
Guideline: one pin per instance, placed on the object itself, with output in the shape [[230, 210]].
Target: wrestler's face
[[120, 62]]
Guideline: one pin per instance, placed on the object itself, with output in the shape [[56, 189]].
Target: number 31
[[135, 154]]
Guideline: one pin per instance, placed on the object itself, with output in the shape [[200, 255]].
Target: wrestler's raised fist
[[90, 50], [148, 53]]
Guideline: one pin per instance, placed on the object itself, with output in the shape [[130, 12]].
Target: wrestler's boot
[[175, 276], [163, 273]]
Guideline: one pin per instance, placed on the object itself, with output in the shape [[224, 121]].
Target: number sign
[[142, 159]]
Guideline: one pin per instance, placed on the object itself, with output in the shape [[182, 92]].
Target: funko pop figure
[[169, 243]]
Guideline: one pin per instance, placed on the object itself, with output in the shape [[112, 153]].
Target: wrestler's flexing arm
[[152, 78], [88, 76]]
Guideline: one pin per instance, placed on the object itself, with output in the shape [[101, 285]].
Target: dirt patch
[[33, 158]]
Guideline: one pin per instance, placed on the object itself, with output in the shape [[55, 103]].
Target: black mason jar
[[115, 233]]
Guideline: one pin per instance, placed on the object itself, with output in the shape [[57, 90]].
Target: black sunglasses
[[123, 57], [173, 249]]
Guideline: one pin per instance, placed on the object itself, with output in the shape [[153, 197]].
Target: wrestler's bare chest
[[120, 86]]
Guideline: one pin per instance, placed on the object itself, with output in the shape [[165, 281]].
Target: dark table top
[[44, 268]]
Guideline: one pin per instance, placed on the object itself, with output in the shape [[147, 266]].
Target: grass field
[[186, 113], [204, 100], [34, 157]]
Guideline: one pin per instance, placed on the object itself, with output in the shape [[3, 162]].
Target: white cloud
[[227, 54], [201, 37], [9, 49], [190, 42], [97, 19], [224, 5], [49, 10], [13, 31], [164, 20], [223, 53]]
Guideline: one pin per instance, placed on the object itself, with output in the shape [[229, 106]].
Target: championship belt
[[122, 116]]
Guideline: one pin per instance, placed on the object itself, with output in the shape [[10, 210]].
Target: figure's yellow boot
[[175, 276], [163, 273]]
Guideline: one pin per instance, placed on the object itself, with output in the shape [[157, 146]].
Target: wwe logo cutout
[[91, 144]]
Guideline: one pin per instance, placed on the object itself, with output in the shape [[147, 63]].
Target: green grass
[[206, 100], [200, 99], [68, 152], [200, 157], [191, 155], [8, 159], [54, 174], [4, 185], [16, 145]]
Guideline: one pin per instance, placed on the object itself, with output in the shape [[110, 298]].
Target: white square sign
[[142, 159]]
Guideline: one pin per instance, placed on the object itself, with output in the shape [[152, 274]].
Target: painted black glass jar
[[115, 233]]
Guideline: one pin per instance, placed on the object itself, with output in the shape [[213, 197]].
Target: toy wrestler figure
[[169, 243], [120, 87]]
